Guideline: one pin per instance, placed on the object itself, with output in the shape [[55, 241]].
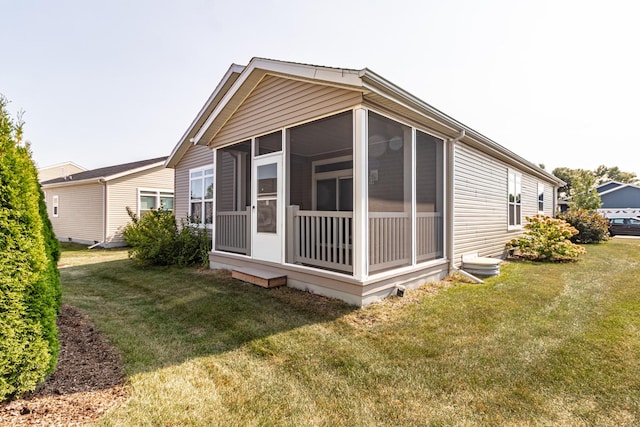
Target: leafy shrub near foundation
[[592, 227], [546, 239], [155, 239]]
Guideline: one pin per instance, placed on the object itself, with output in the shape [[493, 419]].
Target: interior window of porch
[[389, 193]]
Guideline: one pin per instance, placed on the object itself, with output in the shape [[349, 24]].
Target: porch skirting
[[338, 285]]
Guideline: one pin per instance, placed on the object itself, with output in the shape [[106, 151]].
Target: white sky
[[108, 82]]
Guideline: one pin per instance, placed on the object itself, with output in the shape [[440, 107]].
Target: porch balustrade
[[320, 238], [233, 231]]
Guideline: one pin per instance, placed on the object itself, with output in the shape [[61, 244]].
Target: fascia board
[[383, 87], [336, 76], [71, 182], [184, 143], [132, 171]]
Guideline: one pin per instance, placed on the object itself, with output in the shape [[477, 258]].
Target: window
[[55, 203], [333, 184], [201, 195], [540, 197], [154, 199], [515, 200]]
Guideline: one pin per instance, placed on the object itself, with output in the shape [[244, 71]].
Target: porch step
[[266, 279]]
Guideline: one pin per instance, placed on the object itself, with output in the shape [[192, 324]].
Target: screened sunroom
[[354, 193]]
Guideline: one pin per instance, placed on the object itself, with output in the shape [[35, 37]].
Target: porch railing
[[429, 241], [233, 231], [389, 240], [320, 238]]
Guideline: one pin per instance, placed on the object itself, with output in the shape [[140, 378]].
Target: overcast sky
[[108, 82]]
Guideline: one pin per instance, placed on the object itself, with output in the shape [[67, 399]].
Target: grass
[[541, 344]]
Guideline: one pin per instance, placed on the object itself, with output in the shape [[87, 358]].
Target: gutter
[[380, 85]]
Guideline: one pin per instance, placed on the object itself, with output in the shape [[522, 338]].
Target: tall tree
[[583, 194], [29, 282], [604, 174]]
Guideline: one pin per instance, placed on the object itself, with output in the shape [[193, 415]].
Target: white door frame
[[268, 246]]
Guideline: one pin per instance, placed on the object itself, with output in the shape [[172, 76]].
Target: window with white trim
[[55, 202], [540, 197], [514, 200], [151, 198], [201, 196]]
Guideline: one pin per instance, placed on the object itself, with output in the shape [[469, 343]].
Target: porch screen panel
[[233, 198], [429, 197], [389, 195]]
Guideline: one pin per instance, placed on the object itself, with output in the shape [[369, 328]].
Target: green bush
[[592, 227], [547, 239], [155, 239], [29, 281]]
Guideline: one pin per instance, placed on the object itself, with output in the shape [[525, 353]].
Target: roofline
[[378, 82], [62, 164], [173, 157], [364, 79], [619, 187], [106, 178], [339, 76]]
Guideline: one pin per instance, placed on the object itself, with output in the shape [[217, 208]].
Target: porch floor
[[265, 279]]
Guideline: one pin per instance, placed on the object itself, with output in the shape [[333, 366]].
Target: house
[[89, 207], [60, 170], [345, 183], [619, 200]]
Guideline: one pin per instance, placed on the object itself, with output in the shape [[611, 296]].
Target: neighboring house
[[60, 170], [90, 207], [619, 200], [346, 183]]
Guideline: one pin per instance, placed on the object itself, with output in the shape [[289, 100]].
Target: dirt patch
[[88, 379]]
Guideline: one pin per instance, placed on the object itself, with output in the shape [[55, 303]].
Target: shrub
[[29, 281], [155, 239], [592, 227], [547, 239]]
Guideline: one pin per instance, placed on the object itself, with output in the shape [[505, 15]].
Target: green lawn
[[540, 345]]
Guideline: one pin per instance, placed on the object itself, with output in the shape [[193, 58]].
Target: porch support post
[[214, 208], [360, 202]]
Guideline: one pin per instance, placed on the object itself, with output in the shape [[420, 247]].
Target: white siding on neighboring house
[[480, 202], [79, 212], [123, 193], [277, 102], [197, 156]]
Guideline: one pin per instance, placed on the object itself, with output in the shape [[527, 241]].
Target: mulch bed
[[88, 379]]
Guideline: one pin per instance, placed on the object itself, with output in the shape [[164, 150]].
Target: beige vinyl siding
[[123, 192], [480, 202], [277, 102], [197, 156], [79, 212]]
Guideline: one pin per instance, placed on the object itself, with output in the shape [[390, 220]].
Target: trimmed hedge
[[29, 280]]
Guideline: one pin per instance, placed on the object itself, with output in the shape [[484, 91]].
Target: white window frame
[[158, 193], [337, 174], [204, 170], [540, 197], [55, 202], [514, 178]]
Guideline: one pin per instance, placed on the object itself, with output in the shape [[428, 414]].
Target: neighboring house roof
[[108, 173], [238, 83], [58, 170], [612, 186]]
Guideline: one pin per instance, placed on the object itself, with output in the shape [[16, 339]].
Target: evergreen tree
[[29, 281]]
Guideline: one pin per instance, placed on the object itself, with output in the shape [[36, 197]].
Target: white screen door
[[267, 209]]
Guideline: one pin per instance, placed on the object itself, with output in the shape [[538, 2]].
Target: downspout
[[105, 222]]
